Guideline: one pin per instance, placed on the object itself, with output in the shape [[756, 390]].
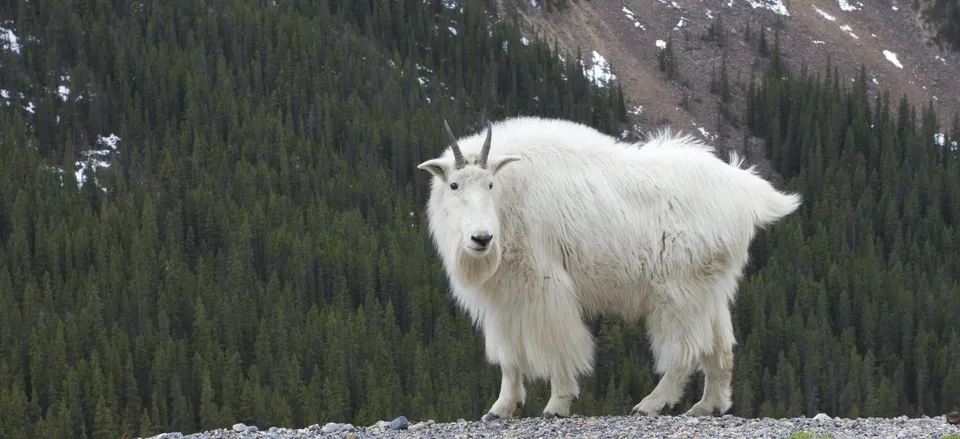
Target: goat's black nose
[[483, 239]]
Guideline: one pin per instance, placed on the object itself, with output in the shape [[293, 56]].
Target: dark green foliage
[[257, 251], [667, 60], [945, 16], [857, 289]]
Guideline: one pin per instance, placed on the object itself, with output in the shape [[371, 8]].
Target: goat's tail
[[774, 205], [770, 205]]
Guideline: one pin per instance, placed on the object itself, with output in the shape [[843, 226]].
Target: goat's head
[[466, 198]]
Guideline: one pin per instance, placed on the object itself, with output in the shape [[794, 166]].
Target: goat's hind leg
[[717, 368], [678, 337]]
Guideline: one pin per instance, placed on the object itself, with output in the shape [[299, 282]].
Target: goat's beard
[[477, 270]]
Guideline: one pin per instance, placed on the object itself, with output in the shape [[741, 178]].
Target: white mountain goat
[[563, 223]]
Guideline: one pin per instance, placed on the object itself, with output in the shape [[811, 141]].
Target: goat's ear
[[496, 163], [438, 167]]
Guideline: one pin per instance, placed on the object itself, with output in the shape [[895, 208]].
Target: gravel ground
[[728, 426]]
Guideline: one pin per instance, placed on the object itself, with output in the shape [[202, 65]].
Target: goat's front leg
[[564, 345], [512, 394], [564, 391]]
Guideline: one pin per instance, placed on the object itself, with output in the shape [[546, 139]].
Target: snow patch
[[109, 141], [942, 59], [847, 7], [631, 17], [661, 44], [773, 5], [449, 4], [9, 40], [525, 41], [452, 30], [892, 57], [825, 15], [96, 158], [846, 28], [671, 3], [636, 111], [600, 71], [679, 24], [704, 132], [818, 42]]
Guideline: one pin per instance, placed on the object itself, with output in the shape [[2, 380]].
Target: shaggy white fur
[[562, 223]]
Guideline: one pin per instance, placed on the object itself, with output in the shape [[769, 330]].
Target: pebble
[[682, 426]]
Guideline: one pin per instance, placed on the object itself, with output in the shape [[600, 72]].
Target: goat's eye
[[454, 186], [490, 186]]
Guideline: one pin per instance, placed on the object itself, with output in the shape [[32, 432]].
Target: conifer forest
[[210, 213]]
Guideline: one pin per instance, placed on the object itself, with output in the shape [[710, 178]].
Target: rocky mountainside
[[891, 39]]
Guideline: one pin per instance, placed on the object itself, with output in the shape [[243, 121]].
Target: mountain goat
[[564, 223]]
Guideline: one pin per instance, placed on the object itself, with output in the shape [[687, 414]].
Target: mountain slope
[[887, 37]]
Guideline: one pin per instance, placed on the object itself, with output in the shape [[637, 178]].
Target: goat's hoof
[[490, 417], [701, 410], [644, 410], [552, 415]]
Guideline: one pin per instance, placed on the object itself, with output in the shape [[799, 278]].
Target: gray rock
[[239, 427], [331, 427], [821, 417], [401, 423]]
